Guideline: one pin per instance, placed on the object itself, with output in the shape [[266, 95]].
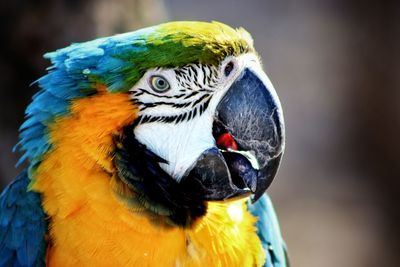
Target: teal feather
[[269, 232], [74, 73], [116, 62], [22, 226]]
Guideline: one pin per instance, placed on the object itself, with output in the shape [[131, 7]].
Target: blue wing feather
[[269, 232], [22, 225]]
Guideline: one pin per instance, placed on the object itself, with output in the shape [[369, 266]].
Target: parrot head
[[176, 115]]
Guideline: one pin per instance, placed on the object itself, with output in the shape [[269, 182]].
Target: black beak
[[251, 114]]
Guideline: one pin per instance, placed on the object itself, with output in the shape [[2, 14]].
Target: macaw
[[149, 148]]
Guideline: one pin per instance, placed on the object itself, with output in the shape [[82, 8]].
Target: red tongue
[[226, 141]]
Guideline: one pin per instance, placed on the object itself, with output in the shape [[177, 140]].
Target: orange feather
[[90, 226]]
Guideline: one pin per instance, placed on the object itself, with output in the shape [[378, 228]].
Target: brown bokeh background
[[336, 68]]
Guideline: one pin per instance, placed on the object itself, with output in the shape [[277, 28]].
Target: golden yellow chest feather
[[90, 226]]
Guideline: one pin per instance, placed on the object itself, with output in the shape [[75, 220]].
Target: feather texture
[[269, 232], [81, 105], [91, 226], [22, 226], [118, 62]]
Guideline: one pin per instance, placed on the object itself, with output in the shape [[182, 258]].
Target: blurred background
[[336, 68]]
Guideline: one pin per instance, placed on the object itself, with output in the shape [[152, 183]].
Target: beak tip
[[257, 195], [266, 176], [252, 115]]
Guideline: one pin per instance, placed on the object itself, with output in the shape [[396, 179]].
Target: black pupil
[[161, 82], [228, 69]]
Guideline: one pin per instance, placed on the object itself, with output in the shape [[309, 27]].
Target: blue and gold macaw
[[150, 148]]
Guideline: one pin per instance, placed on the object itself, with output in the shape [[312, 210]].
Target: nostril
[[228, 68]]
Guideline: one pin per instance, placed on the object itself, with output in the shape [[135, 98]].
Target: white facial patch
[[180, 144], [177, 124]]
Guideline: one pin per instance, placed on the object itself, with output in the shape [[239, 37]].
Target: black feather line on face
[[159, 194]]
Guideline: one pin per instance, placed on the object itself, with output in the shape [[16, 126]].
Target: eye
[[228, 68], [159, 84]]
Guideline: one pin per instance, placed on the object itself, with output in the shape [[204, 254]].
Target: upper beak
[[251, 113]]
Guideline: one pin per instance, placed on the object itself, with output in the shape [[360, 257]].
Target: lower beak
[[251, 113]]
